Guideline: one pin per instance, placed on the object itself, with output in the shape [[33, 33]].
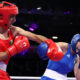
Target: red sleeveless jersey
[[5, 44]]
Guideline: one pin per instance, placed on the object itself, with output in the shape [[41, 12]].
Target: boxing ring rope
[[32, 78]]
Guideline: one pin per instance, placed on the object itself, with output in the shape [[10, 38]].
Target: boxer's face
[[12, 19], [78, 47]]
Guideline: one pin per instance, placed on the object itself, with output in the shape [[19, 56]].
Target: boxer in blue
[[63, 58]]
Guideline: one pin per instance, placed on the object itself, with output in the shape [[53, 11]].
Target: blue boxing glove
[[42, 51]]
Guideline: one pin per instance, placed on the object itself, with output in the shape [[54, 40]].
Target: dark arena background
[[51, 18]]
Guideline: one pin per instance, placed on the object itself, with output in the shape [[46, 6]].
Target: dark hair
[[78, 40]]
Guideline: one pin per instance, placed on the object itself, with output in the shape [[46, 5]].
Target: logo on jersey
[[11, 42], [23, 45], [68, 55]]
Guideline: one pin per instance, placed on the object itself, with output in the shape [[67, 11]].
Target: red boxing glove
[[21, 43], [54, 52]]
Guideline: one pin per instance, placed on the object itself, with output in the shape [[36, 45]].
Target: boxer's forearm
[[38, 38], [31, 36], [35, 37]]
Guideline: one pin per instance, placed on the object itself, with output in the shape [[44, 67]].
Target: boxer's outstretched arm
[[31, 36]]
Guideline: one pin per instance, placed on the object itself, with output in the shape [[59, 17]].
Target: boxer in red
[[12, 39]]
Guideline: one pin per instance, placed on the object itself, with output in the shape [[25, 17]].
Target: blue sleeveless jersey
[[64, 66]]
